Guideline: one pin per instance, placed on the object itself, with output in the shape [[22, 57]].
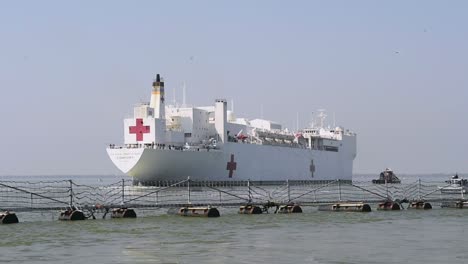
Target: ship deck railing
[[164, 147], [205, 148]]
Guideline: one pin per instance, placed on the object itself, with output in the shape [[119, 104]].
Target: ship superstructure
[[169, 142]]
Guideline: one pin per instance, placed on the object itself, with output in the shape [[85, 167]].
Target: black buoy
[[123, 213], [419, 205], [455, 204], [345, 207], [8, 218], [289, 209], [195, 211], [72, 214], [250, 209], [388, 206]]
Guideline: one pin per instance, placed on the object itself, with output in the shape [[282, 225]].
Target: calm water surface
[[436, 236]]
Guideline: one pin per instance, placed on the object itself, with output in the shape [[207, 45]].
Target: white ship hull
[[453, 190], [248, 162]]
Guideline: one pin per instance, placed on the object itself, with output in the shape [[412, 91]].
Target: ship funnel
[[157, 98], [158, 82]]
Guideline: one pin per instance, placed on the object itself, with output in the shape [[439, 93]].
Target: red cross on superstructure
[[231, 166], [139, 129], [312, 168]]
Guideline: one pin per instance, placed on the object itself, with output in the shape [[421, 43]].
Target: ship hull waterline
[[234, 162]]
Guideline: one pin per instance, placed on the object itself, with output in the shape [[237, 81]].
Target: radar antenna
[[312, 122], [297, 121], [321, 116], [174, 99], [334, 120], [183, 95]]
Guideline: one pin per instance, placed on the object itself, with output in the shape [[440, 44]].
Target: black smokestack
[[158, 81]]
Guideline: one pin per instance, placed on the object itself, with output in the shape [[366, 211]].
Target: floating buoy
[[289, 209], [123, 213], [8, 218], [389, 206], [345, 207], [250, 209], [456, 204], [196, 211], [419, 205], [71, 215]]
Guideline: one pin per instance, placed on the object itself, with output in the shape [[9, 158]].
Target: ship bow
[[125, 158]]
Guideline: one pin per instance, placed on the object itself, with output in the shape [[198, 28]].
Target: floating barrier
[[389, 206], [250, 209], [196, 211], [456, 204], [8, 218], [123, 213], [345, 207], [72, 215], [419, 205], [289, 209]]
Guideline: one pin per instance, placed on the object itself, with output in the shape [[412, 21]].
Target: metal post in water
[[461, 190], [386, 188], [188, 189], [123, 191], [339, 188], [419, 189], [71, 193], [440, 196], [289, 190], [32, 201], [250, 191]]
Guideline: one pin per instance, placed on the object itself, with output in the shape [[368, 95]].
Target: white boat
[[456, 185], [209, 143]]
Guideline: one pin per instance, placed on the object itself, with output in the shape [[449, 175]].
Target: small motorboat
[[386, 176], [456, 185]]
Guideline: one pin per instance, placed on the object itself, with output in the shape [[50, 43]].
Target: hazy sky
[[396, 73]]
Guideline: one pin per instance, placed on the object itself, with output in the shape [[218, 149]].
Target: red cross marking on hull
[[312, 168], [231, 166], [139, 129]]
